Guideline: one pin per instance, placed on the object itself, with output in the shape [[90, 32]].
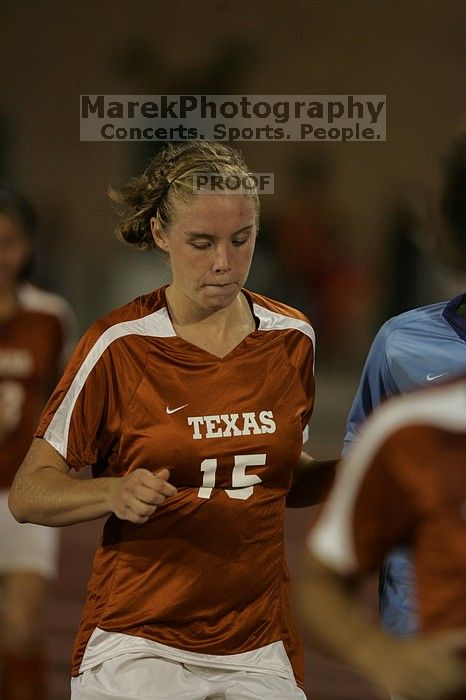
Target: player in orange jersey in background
[[34, 336], [404, 482], [190, 403]]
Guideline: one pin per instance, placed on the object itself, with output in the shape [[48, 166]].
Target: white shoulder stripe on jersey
[[34, 299], [272, 321], [332, 538], [157, 325]]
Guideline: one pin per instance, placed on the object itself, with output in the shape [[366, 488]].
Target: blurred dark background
[[347, 235]]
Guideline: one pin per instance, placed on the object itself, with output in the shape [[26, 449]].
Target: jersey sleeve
[[370, 510], [308, 383], [82, 416], [301, 351], [376, 384]]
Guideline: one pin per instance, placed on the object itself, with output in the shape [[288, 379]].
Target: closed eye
[[201, 246], [207, 244]]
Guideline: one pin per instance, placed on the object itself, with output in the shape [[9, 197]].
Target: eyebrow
[[211, 236]]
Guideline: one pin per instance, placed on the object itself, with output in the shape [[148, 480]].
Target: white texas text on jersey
[[16, 362], [226, 424]]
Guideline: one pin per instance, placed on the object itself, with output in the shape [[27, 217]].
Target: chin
[[218, 304], [219, 298]]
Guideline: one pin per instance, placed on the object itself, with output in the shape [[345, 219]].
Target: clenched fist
[[135, 497]]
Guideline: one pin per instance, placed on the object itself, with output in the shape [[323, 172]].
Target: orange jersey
[[31, 347], [207, 572], [404, 482]]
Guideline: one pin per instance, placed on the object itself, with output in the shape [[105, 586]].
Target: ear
[[159, 237]]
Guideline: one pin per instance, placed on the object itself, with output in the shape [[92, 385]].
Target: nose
[[221, 262]]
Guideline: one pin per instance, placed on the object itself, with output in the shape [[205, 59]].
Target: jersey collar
[[457, 322]]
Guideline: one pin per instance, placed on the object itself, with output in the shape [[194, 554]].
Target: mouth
[[224, 285]]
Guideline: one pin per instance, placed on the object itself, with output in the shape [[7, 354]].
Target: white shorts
[[129, 676], [26, 547]]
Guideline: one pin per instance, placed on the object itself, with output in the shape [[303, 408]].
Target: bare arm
[[311, 482], [44, 492], [428, 667]]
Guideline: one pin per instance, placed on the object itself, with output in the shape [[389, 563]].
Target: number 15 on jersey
[[242, 483]]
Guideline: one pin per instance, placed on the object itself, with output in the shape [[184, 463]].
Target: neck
[[184, 312]]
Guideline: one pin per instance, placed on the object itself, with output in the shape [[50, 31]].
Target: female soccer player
[[34, 330], [190, 404]]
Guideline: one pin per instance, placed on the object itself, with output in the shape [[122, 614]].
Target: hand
[[136, 497], [428, 667]]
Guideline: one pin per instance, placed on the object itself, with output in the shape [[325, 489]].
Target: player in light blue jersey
[[417, 348]]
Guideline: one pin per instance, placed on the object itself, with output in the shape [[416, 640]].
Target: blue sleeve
[[375, 385]]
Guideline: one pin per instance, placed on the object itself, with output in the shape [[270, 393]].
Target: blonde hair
[[168, 182]]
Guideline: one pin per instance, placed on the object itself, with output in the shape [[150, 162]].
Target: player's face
[[210, 244], [14, 250]]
